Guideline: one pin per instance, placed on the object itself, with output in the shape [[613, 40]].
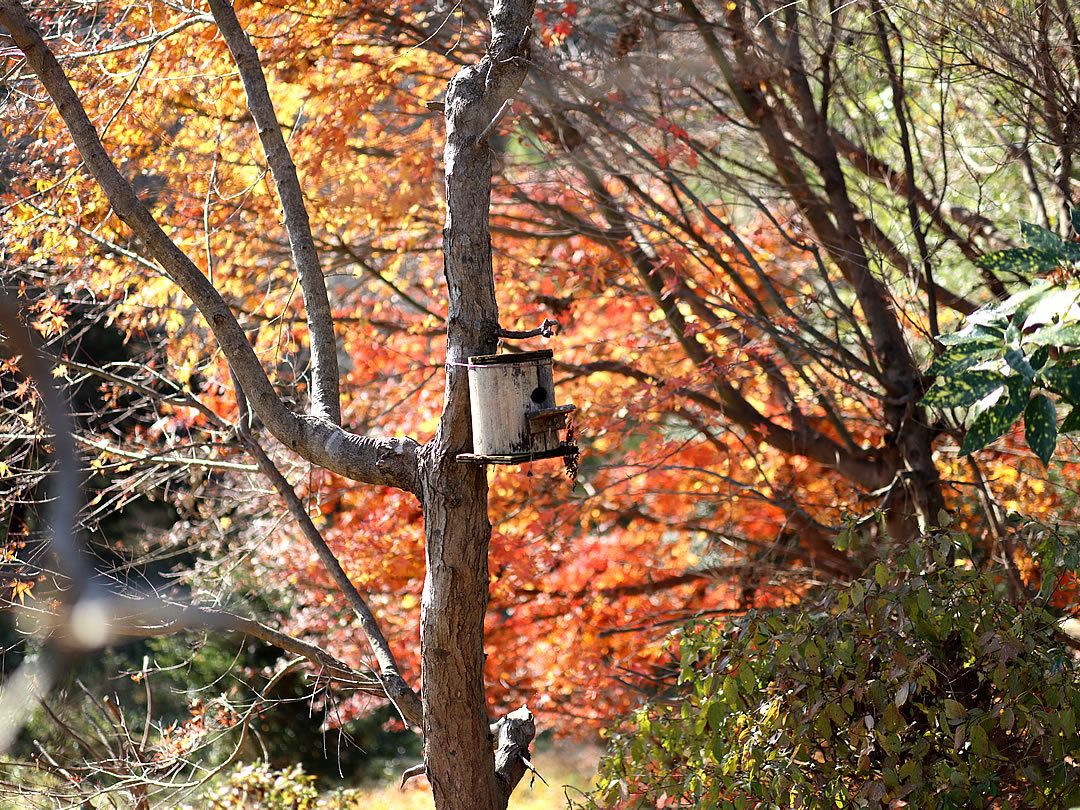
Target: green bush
[[919, 684], [259, 787]]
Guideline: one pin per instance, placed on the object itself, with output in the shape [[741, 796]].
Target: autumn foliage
[[735, 403]]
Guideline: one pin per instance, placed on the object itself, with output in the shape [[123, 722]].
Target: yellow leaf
[[20, 590]]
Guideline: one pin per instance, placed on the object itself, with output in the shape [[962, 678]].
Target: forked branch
[[382, 461]]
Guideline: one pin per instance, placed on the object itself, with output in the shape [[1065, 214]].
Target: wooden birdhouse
[[514, 415]]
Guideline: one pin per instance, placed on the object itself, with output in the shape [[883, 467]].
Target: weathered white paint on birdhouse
[[514, 415]]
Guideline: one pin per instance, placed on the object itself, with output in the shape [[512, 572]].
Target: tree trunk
[[458, 747]]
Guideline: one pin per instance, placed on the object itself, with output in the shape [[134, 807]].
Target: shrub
[[919, 684], [257, 786]]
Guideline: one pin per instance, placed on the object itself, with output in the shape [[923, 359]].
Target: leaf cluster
[[1013, 354], [917, 683], [258, 785]]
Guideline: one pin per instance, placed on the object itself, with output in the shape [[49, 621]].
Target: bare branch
[[899, 100], [325, 398], [73, 563], [547, 329], [113, 619], [858, 468], [401, 695]]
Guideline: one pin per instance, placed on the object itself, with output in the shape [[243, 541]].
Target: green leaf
[[923, 600], [1008, 718], [836, 714], [1038, 237], [1072, 421], [1074, 215], [881, 575], [1024, 262], [954, 710], [1053, 305], [1068, 722], [857, 592], [715, 715], [747, 679], [975, 330], [1039, 357], [731, 693], [963, 390], [1058, 334], [1032, 292], [993, 422], [812, 655], [1018, 363], [980, 743], [902, 694], [845, 648], [963, 356], [989, 318], [1064, 380], [1040, 427], [719, 748]]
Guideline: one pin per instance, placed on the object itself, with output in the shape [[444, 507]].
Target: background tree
[[751, 221]]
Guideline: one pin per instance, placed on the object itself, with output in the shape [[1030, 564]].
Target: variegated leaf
[[1017, 362], [963, 389], [1071, 424], [974, 331], [963, 356], [1038, 237], [1040, 427], [1039, 357], [1024, 262], [1065, 381], [993, 422], [1058, 334], [1053, 306]]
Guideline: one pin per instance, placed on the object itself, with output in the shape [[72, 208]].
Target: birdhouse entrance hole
[[514, 415]]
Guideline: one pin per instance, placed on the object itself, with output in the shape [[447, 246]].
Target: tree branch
[[803, 441], [397, 689], [145, 618], [325, 398], [877, 169], [547, 329], [515, 735], [899, 100]]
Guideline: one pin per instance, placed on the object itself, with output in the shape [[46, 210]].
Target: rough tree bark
[[458, 748]]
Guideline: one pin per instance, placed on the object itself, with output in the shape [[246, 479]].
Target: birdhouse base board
[[518, 458]]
